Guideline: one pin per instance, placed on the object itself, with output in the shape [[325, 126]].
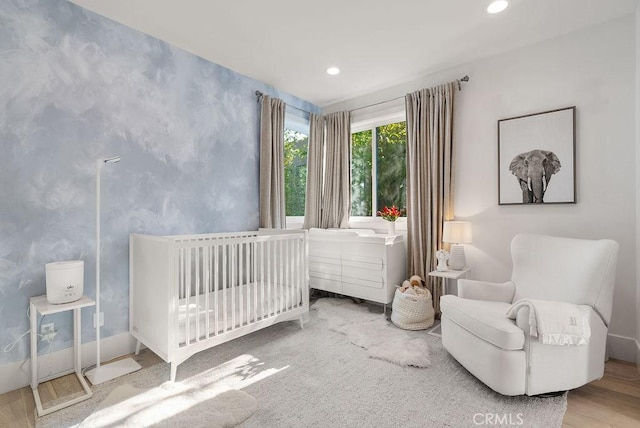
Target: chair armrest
[[480, 290]]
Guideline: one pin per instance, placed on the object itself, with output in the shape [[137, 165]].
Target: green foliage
[[391, 168], [361, 165], [295, 171], [391, 147]]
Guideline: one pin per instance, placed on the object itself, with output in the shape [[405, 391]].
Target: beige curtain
[[272, 207], [429, 178], [336, 199], [313, 201]]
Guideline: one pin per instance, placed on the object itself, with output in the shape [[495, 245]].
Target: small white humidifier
[[65, 281]]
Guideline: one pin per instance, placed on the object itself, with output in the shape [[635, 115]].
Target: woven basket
[[412, 312]]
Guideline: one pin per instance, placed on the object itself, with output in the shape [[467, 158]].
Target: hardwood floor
[[17, 407], [613, 401]]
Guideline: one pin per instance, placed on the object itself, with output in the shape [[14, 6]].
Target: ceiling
[[376, 44]]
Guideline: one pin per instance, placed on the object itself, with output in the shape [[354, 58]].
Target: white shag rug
[[315, 377], [373, 332]]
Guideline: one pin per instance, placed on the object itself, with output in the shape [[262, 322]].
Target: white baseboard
[[18, 374], [622, 348]]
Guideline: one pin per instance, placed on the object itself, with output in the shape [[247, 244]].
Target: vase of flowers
[[390, 215]]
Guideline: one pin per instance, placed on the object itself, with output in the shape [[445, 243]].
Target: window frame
[[392, 114], [371, 123]]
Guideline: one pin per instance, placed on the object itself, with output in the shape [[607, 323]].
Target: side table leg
[[33, 314], [77, 363]]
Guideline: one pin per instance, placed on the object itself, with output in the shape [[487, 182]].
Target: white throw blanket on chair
[[555, 323]]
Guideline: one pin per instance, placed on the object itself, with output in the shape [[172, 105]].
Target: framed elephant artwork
[[536, 158]]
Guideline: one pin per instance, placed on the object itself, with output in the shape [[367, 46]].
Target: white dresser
[[357, 263]]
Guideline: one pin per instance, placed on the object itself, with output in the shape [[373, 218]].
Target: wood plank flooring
[[17, 407], [613, 401]]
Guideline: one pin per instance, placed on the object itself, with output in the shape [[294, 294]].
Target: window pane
[[361, 202], [295, 171], [391, 143]]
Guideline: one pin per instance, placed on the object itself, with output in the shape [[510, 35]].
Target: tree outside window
[[295, 171], [389, 164]]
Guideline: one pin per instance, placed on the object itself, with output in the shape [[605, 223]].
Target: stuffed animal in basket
[[412, 307], [413, 286]]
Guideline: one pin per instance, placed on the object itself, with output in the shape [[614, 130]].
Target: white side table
[[41, 305], [450, 275]]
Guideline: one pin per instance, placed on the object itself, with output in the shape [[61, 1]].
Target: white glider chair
[[500, 351]]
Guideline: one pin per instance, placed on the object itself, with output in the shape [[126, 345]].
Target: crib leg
[[385, 309], [138, 344], [301, 323], [174, 370]]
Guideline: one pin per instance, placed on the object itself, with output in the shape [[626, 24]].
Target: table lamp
[[456, 233]]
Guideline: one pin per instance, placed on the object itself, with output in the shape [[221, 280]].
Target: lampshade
[[456, 232]]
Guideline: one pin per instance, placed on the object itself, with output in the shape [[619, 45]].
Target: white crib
[[191, 292]]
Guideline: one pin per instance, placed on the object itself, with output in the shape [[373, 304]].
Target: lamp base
[[457, 260], [112, 370]]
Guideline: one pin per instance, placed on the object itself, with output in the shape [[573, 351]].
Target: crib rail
[[225, 282]]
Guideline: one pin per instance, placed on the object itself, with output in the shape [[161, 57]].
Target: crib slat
[[268, 254], [291, 265], [301, 269], [262, 278], [225, 324], [197, 284], [181, 286], [287, 265], [296, 268], [187, 336], [294, 286], [240, 282], [254, 280], [247, 280], [207, 288], [233, 286], [281, 271], [216, 289]]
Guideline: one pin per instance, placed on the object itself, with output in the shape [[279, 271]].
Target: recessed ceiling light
[[497, 6], [333, 71]]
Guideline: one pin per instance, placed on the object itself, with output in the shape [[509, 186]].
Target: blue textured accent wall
[[76, 87]]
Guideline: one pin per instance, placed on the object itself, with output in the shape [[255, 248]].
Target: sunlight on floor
[[154, 405]]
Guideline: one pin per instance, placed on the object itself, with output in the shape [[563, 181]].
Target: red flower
[[390, 214]]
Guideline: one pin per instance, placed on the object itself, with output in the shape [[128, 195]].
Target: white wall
[[592, 69]]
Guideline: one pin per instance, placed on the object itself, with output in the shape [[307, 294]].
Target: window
[[378, 168], [295, 171]]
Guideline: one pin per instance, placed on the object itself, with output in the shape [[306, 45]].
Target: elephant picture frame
[[536, 158]]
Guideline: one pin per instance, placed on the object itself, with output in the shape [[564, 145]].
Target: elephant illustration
[[534, 170]]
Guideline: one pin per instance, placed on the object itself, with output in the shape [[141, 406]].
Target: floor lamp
[[103, 373]]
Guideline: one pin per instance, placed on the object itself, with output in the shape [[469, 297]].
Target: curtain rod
[[459, 81], [259, 95]]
